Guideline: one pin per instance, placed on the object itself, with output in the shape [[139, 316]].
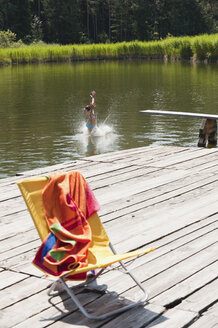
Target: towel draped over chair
[[68, 203]]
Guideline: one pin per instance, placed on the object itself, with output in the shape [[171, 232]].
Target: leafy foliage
[[7, 39], [95, 21]]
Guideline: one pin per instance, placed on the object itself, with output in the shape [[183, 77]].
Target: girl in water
[[90, 114]]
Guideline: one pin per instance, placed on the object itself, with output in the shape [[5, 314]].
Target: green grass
[[197, 48]]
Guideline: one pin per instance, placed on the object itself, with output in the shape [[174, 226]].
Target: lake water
[[41, 108]]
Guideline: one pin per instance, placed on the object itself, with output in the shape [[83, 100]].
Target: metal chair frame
[[72, 295]]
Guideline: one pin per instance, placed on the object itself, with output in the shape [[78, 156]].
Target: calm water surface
[[41, 116]]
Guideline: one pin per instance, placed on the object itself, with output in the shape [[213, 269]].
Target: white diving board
[[186, 114]]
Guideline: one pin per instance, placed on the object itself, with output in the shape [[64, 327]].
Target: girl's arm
[[93, 94]]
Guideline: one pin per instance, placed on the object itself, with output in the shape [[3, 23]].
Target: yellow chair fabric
[[100, 255]]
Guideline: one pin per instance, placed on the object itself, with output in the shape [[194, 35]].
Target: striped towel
[[68, 203]]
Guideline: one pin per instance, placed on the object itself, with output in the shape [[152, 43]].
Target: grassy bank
[[204, 47]]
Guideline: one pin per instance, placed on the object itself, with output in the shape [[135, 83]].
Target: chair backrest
[[31, 190]]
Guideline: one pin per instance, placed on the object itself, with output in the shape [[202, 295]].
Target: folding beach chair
[[101, 253]]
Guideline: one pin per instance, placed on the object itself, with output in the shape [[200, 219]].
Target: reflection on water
[[41, 108]]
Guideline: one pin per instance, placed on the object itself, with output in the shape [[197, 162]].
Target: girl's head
[[88, 108]]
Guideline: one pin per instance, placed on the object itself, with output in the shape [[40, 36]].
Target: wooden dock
[[165, 197]]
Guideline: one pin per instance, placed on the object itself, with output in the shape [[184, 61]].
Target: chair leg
[[137, 282], [89, 316], [56, 288], [145, 293], [90, 281]]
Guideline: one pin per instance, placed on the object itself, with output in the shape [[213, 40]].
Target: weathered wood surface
[[165, 197]]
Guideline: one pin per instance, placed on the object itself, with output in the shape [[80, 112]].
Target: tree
[[180, 18], [61, 21], [17, 17], [36, 29]]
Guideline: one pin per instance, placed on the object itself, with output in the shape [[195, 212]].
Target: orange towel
[[68, 203]]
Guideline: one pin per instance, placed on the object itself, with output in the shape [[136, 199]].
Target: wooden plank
[[40, 171], [12, 206], [187, 152], [131, 209], [8, 278], [118, 177], [136, 315], [201, 299], [207, 321], [17, 204], [188, 286], [173, 241], [23, 258], [160, 281], [126, 189], [46, 316], [155, 195], [184, 114], [173, 319], [40, 306], [207, 161], [175, 160], [17, 239], [22, 290], [117, 155], [135, 224], [20, 250], [26, 308], [149, 152], [212, 310], [165, 223], [82, 164], [157, 155], [11, 190], [93, 171], [105, 208], [16, 225]]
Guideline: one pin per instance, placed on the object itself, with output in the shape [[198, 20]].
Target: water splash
[[99, 131], [100, 140]]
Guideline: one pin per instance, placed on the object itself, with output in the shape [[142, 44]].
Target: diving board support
[[207, 133], [208, 127]]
